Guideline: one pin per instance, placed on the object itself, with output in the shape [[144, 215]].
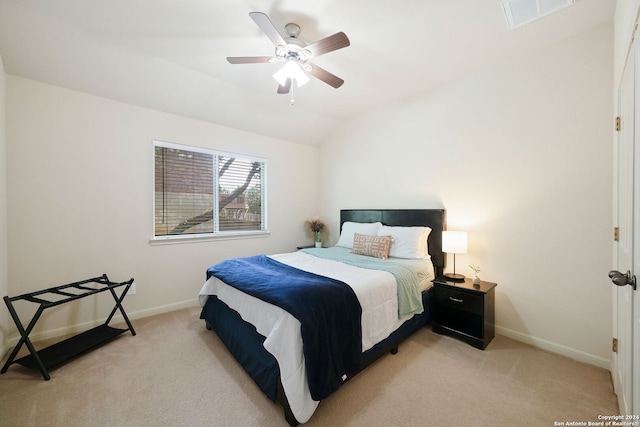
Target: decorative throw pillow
[[376, 246]]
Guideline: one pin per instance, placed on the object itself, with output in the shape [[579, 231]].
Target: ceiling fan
[[295, 54]]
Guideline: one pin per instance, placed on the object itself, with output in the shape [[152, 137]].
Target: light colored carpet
[[176, 373]]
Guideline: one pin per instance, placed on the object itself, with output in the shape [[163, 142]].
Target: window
[[200, 192]]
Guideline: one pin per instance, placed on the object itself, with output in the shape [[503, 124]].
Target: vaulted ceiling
[[170, 55]]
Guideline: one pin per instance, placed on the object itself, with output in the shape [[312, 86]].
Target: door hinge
[[618, 124], [614, 345], [616, 234]]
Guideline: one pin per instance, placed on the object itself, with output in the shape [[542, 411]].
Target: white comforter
[[376, 292]]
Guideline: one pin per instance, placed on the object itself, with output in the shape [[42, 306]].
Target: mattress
[[376, 290]]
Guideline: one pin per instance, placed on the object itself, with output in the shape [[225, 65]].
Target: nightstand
[[465, 311]]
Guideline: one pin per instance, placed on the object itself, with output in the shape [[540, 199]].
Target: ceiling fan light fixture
[[302, 79], [291, 70], [281, 76], [295, 72]]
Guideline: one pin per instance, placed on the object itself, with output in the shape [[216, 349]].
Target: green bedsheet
[[409, 298]]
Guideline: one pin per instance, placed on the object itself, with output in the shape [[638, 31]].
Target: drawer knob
[[456, 299]]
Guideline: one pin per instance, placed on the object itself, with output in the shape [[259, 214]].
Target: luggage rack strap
[[58, 290]]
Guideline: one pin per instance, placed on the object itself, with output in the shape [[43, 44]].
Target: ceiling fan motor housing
[[292, 30], [294, 49]]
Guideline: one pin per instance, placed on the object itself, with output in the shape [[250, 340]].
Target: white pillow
[[350, 228], [408, 242]]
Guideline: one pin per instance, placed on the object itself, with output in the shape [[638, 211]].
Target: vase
[[318, 244], [476, 281]]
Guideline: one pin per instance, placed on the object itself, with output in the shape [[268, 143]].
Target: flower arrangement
[[475, 269], [316, 226]]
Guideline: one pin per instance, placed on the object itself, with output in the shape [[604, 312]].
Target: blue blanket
[[327, 309]]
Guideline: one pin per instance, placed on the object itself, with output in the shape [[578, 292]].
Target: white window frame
[[216, 234]]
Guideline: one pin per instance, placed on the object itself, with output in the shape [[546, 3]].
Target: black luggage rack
[[76, 345]]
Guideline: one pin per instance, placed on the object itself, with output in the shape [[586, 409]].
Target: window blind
[[199, 191]]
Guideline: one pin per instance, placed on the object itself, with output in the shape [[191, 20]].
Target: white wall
[[80, 199], [520, 155], [4, 276], [625, 17]]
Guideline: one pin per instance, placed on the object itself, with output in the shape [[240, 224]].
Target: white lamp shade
[[454, 242], [281, 76]]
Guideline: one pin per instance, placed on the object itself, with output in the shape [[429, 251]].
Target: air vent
[[520, 12]]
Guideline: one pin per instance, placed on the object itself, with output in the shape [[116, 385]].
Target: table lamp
[[454, 242]]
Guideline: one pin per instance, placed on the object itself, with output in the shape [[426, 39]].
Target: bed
[[299, 359]]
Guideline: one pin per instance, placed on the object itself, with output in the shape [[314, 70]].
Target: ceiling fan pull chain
[[293, 101]]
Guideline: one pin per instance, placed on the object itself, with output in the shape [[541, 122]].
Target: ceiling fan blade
[[248, 59], [325, 76], [329, 44], [267, 27], [286, 88]]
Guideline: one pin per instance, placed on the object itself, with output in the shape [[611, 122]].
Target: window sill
[[196, 238]]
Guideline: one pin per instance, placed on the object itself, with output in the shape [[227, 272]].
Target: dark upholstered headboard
[[436, 219]]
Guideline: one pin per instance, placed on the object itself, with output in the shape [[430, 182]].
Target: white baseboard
[[543, 344], [75, 329]]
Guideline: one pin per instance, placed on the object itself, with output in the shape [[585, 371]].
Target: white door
[[635, 270], [625, 374]]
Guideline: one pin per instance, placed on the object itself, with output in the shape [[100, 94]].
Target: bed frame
[[245, 344]]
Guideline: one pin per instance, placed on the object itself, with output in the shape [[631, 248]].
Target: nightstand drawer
[[459, 300]]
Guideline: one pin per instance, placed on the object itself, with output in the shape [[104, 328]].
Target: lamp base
[[454, 277]]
